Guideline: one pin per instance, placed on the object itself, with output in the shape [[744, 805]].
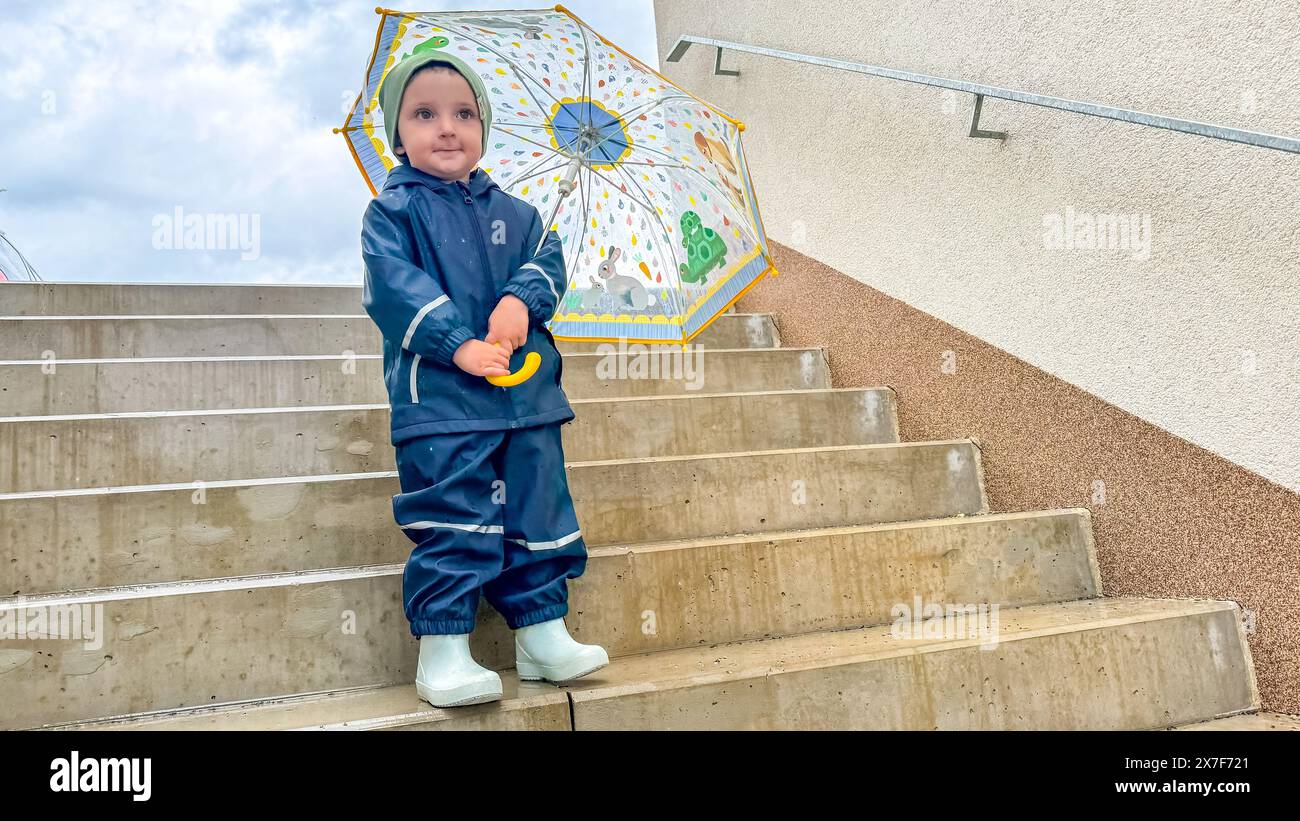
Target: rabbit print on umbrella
[[623, 291]]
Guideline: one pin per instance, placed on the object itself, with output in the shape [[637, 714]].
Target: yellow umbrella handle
[[531, 363]]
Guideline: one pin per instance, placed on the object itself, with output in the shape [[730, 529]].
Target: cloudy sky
[[117, 112]]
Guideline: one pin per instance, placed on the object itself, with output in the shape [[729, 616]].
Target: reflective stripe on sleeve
[[560, 542], [415, 323], [455, 526], [545, 276]]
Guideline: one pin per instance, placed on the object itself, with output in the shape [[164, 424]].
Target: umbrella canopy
[[646, 184]]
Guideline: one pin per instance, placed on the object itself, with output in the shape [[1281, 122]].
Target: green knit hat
[[394, 83]]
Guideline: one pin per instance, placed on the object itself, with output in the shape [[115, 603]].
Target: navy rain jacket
[[433, 275]]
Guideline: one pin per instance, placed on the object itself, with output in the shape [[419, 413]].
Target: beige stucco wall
[[876, 179]]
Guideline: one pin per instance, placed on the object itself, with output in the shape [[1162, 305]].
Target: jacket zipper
[[482, 251], [415, 363]]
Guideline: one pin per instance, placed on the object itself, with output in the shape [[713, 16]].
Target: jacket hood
[[407, 174]]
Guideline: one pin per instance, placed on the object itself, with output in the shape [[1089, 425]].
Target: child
[[452, 281]]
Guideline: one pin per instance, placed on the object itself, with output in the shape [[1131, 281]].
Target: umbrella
[[645, 183]]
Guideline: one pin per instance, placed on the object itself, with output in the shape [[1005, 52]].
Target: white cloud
[[219, 106]]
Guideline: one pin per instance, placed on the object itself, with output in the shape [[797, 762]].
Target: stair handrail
[[981, 90]]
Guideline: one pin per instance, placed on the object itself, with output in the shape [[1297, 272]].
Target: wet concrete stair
[[210, 466]]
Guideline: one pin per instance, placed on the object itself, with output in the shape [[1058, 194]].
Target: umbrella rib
[[577, 246], [654, 164], [559, 151], [623, 117], [530, 173], [520, 74], [655, 214], [586, 195], [713, 184], [524, 83], [550, 127], [504, 58], [606, 139], [663, 154], [589, 195], [586, 67], [656, 102], [620, 190]]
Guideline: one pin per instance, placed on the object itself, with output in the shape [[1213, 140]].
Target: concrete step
[[101, 537], [632, 599], [134, 298], [104, 337], [70, 386], [1096, 664], [1090, 664], [1245, 721], [526, 705], [98, 450]]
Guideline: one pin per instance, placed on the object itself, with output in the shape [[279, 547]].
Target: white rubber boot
[[547, 651], [447, 675]]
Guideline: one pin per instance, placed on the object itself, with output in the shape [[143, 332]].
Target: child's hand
[[481, 358], [509, 323]]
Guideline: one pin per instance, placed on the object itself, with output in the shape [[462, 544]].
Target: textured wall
[[1193, 324], [1170, 519]]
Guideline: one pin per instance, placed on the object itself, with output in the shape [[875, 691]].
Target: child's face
[[439, 126]]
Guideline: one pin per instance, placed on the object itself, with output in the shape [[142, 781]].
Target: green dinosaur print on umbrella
[[431, 44]]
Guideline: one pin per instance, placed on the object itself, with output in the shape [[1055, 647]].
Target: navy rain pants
[[486, 510]]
